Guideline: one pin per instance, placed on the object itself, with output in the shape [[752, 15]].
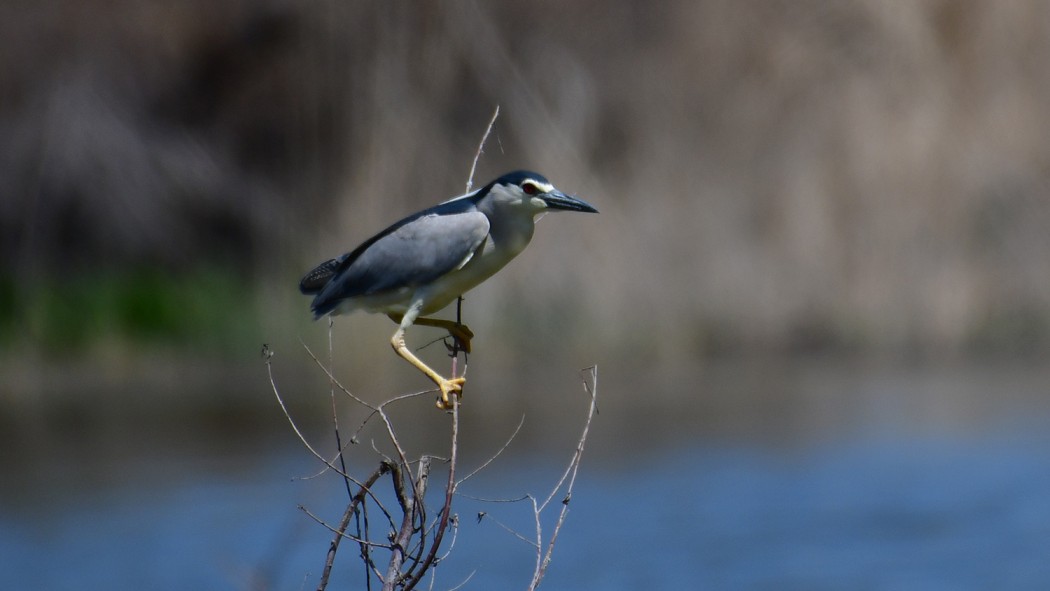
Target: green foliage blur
[[207, 312]]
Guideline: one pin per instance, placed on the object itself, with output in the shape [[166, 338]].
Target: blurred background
[[818, 291]]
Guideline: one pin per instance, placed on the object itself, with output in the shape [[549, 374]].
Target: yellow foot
[[462, 334], [453, 386]]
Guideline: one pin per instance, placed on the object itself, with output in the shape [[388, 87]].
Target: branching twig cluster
[[412, 539], [413, 534], [544, 547]]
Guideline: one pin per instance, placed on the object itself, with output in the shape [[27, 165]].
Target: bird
[[420, 264]]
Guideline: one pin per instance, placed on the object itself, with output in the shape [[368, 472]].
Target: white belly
[[481, 266]]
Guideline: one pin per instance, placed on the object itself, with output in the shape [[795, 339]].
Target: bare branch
[[464, 582], [450, 491], [341, 532], [454, 525], [485, 500], [536, 514], [375, 410], [295, 427], [305, 442], [333, 380], [509, 529], [404, 536], [574, 463], [335, 413], [496, 455], [481, 148], [574, 466]]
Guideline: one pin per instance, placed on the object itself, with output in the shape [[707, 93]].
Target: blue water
[[948, 512]]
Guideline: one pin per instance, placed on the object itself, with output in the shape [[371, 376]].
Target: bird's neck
[[512, 233]]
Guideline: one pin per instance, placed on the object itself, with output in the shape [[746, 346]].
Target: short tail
[[316, 280], [322, 305]]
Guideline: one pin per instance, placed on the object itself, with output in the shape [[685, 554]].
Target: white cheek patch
[[537, 203]]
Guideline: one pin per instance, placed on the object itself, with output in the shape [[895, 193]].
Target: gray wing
[[412, 255]]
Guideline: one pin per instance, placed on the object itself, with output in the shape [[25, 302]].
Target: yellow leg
[[446, 386]]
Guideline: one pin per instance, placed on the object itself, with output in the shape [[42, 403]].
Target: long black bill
[[558, 200]]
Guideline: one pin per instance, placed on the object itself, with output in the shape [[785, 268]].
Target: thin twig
[[302, 438], [536, 514], [418, 494], [470, 185], [361, 521], [481, 148], [401, 541], [496, 455], [295, 427], [312, 450], [351, 509], [464, 582], [454, 526], [335, 413], [450, 491], [509, 529], [376, 409], [339, 534], [574, 466], [331, 376], [486, 500]]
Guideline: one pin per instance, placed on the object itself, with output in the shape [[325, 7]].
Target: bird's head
[[535, 193]]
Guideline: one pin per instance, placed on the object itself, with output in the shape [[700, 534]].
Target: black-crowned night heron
[[422, 263]]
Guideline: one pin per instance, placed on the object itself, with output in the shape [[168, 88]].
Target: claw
[[447, 387], [462, 334]]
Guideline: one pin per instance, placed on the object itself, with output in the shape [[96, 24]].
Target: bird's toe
[[450, 387]]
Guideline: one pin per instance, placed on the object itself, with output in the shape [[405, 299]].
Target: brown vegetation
[[773, 175]]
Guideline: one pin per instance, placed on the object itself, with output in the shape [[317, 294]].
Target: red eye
[[530, 189]]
